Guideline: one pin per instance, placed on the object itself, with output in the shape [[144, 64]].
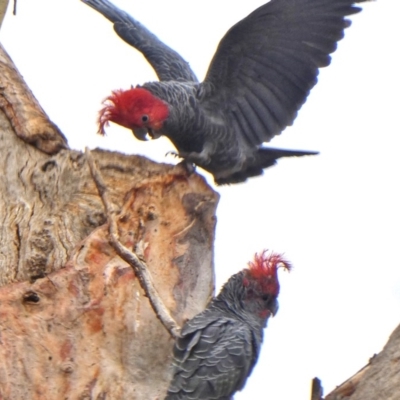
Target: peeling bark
[[75, 322], [87, 331], [49, 204]]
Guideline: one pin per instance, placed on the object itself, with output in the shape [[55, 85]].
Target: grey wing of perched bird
[[213, 359], [167, 63], [266, 64]]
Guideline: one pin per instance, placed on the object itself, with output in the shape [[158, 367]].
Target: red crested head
[[264, 270], [135, 109]]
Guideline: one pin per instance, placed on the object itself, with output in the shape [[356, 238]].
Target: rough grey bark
[[74, 320]]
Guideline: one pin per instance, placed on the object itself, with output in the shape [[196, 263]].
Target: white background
[[335, 216]]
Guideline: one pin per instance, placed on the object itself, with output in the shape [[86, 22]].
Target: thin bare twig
[[139, 267]]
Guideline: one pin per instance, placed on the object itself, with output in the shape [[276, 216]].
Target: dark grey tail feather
[[266, 157], [269, 155]]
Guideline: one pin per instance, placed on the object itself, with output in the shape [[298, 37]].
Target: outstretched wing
[[167, 63], [266, 64], [212, 361]]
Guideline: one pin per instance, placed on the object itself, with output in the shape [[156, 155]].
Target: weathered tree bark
[[75, 323]]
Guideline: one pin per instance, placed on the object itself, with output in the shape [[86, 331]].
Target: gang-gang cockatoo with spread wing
[[259, 77]]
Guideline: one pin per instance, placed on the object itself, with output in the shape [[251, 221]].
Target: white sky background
[[335, 216]]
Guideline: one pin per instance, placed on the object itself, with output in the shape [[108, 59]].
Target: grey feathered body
[[219, 347], [214, 357], [261, 74], [194, 132]]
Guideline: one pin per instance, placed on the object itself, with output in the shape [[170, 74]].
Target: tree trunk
[[74, 321]]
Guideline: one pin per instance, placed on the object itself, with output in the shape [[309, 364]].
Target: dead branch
[[316, 389], [139, 266]]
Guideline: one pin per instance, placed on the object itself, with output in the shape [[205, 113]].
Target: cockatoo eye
[[145, 118]]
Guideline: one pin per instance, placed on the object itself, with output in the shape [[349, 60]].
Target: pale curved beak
[[140, 133], [274, 308], [155, 134]]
